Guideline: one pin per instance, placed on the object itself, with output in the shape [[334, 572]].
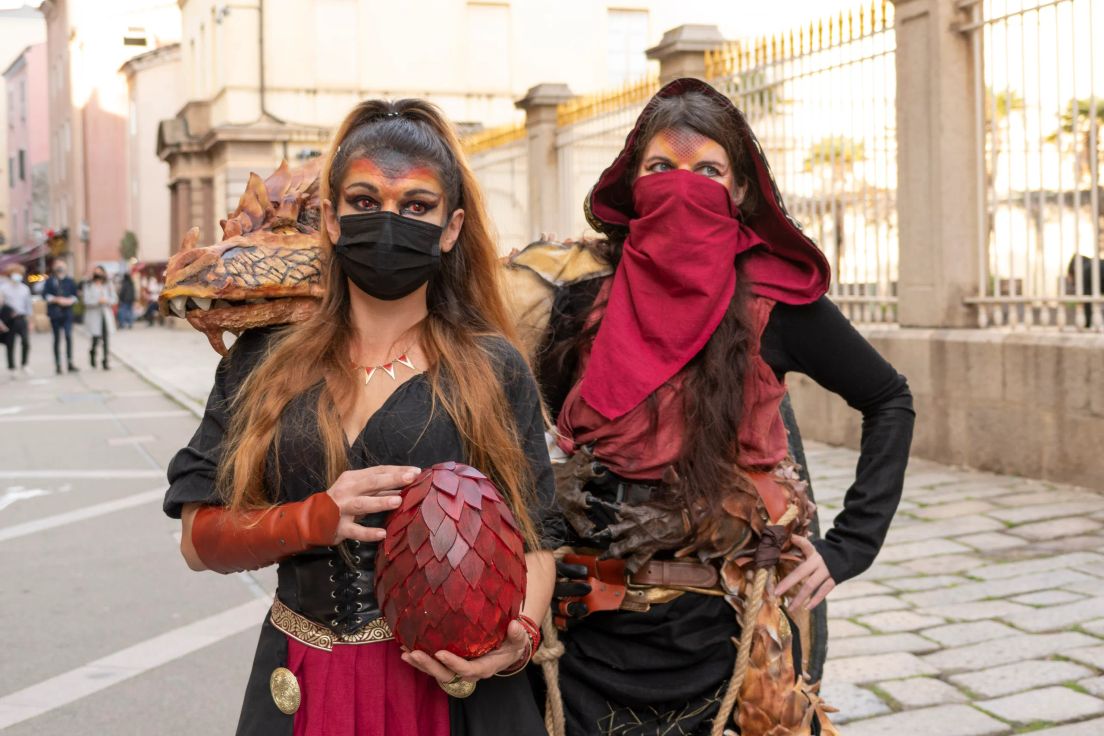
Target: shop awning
[[25, 257]]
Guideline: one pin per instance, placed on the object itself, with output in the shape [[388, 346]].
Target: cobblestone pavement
[[984, 613]]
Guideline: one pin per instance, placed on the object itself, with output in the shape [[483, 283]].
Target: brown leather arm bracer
[[232, 541]]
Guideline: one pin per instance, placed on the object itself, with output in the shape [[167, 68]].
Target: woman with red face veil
[[310, 429], [666, 379]]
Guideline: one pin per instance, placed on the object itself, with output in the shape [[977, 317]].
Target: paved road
[[984, 614], [106, 631]]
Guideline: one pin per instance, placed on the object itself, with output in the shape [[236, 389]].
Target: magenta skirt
[[364, 690]]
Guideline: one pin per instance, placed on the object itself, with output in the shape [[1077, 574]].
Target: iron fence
[[1038, 116], [499, 159], [590, 132], [822, 100]]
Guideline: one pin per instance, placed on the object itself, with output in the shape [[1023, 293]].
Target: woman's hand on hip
[[444, 666], [358, 493], [816, 582]]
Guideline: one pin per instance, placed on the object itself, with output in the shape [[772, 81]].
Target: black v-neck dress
[[319, 583]]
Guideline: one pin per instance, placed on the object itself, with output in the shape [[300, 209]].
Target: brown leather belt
[[658, 581], [675, 574]]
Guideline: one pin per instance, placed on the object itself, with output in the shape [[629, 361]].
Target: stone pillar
[[539, 105], [681, 51], [207, 203], [174, 218], [937, 158], [184, 220]]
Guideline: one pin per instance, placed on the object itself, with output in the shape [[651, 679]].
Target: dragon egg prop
[[452, 573]]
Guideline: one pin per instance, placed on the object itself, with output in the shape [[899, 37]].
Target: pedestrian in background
[[5, 320], [61, 295], [126, 301], [17, 296], [99, 319], [153, 291]]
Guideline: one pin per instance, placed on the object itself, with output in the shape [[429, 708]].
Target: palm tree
[[1081, 121], [833, 159]]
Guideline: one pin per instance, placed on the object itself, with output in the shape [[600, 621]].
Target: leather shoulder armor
[[532, 275]]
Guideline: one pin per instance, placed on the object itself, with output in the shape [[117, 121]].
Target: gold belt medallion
[[285, 690]]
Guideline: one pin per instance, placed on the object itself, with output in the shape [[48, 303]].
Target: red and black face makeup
[[686, 150], [389, 182]]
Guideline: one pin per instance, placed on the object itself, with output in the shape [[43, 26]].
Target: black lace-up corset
[[332, 586]]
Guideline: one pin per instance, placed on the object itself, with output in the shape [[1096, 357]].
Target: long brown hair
[[465, 307]]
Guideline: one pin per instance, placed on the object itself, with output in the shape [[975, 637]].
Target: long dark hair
[[713, 385]]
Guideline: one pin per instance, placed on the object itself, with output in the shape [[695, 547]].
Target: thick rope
[[548, 657], [753, 602]]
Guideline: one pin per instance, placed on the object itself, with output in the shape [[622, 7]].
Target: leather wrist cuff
[[228, 541]]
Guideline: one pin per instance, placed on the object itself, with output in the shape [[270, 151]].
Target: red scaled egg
[[452, 573]]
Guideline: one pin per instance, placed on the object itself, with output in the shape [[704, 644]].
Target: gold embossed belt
[[314, 634]]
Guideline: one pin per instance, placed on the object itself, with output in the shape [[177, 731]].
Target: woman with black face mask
[[99, 319], [409, 362]]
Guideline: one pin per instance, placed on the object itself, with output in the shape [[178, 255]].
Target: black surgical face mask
[[386, 255]]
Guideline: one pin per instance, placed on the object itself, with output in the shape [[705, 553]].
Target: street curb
[[174, 394]]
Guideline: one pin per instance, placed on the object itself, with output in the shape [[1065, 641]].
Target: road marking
[[85, 473], [88, 512], [19, 493], [103, 673], [136, 393], [95, 417], [133, 440]]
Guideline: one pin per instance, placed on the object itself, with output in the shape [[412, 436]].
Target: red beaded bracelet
[[532, 629], [534, 634]]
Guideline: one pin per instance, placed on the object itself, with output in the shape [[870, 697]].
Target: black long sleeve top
[[818, 341]]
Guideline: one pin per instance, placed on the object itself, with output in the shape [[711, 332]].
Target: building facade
[[87, 43], [270, 79], [19, 28], [154, 92], [27, 148]]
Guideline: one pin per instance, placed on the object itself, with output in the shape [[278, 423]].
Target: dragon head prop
[[268, 268]]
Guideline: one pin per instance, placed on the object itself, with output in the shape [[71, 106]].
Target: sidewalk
[[178, 361], [984, 614]]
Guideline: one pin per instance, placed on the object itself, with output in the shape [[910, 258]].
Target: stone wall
[[1023, 403]]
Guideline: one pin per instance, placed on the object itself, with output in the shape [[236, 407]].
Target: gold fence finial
[[885, 15], [820, 34], [851, 25]]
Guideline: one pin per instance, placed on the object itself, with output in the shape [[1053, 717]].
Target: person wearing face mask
[[666, 380], [410, 361], [61, 293], [17, 296], [99, 319]]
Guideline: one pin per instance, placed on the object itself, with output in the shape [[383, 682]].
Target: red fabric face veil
[[672, 287]]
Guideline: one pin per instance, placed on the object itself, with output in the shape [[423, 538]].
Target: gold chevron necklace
[[387, 368]]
